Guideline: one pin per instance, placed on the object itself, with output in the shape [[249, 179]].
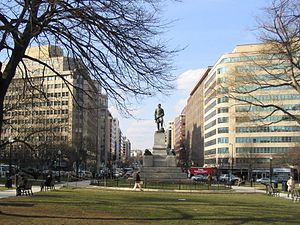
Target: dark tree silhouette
[[115, 42]]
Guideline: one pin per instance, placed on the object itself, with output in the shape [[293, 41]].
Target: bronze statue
[[159, 118]]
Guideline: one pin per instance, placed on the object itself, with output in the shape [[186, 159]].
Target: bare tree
[[115, 42], [275, 66]]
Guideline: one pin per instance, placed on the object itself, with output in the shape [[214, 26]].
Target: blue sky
[[208, 29]]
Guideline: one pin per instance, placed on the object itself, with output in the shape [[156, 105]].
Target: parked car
[[85, 174], [265, 180], [227, 178], [199, 177]]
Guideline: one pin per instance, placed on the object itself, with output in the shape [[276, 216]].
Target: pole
[[59, 159], [271, 172]]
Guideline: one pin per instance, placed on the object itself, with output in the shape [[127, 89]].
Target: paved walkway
[[86, 183]]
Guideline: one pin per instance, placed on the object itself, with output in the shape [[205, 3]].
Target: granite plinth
[[160, 166]]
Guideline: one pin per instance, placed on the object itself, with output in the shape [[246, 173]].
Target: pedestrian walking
[[138, 181], [291, 185]]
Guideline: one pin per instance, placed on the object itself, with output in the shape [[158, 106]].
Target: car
[[265, 180], [199, 177], [227, 178], [85, 174]]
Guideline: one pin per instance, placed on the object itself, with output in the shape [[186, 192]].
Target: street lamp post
[[59, 159], [271, 170]]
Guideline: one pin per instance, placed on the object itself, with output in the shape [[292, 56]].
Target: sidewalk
[[86, 183], [243, 189]]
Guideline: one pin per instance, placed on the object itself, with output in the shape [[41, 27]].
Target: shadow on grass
[[184, 216], [21, 204]]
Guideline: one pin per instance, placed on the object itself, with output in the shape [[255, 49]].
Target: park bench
[[272, 191], [25, 190], [48, 186], [296, 194]]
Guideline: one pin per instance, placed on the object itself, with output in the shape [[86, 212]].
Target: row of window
[[212, 78], [265, 119], [211, 133], [262, 150], [223, 120], [209, 143], [210, 124], [264, 67], [41, 112], [12, 96], [210, 152], [252, 58], [209, 116], [210, 89], [222, 140], [212, 105], [269, 97], [223, 110], [262, 77], [251, 108], [267, 129], [266, 87], [267, 139], [39, 121], [212, 96]]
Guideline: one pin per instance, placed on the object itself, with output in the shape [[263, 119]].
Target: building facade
[[54, 109], [242, 136], [194, 125], [179, 139]]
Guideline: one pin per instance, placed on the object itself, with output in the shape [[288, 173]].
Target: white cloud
[[179, 105], [185, 83], [187, 80]]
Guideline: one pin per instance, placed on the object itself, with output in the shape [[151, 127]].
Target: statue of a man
[[159, 117]]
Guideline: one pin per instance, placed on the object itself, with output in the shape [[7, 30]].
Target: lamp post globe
[[271, 170]]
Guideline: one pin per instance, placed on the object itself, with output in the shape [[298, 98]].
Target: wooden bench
[[48, 186], [25, 190]]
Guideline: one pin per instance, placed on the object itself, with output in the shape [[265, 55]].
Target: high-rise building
[[238, 135], [194, 125], [179, 138], [55, 109], [170, 131], [126, 149]]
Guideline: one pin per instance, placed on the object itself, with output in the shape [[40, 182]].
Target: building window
[[222, 130], [223, 120], [222, 140]]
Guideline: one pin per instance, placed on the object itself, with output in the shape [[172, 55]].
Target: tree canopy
[[116, 42]]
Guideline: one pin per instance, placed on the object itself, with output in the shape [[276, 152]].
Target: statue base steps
[[159, 166]]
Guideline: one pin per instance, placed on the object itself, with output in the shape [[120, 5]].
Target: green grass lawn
[[94, 206]]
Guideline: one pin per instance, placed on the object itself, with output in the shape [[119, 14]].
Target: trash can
[[284, 186], [275, 184], [8, 183]]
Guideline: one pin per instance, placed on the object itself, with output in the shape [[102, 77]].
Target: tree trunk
[[3, 90]]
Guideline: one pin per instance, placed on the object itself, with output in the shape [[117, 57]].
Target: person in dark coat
[[138, 181]]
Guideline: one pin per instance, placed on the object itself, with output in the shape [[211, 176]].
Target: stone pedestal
[[161, 166], [148, 160], [171, 161]]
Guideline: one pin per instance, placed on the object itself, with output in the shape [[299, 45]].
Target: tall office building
[[170, 135], [194, 125], [240, 136], [179, 138], [54, 110]]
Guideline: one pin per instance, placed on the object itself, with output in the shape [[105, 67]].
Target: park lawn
[[95, 206]]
